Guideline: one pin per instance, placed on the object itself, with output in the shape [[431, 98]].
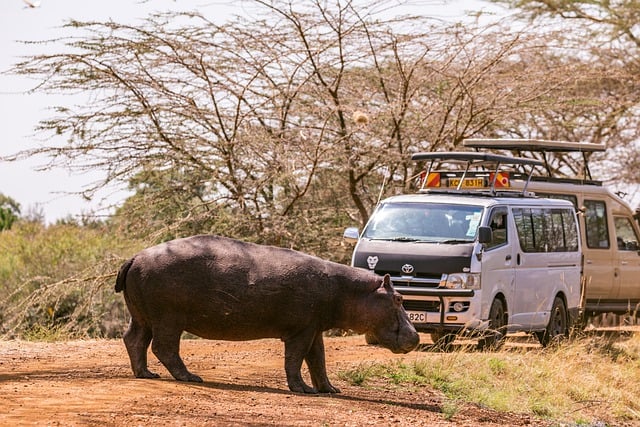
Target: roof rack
[[473, 159], [539, 146]]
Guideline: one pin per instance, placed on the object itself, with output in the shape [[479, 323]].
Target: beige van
[[608, 227]]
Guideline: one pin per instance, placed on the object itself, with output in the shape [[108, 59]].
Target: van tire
[[442, 339], [494, 338], [557, 328]]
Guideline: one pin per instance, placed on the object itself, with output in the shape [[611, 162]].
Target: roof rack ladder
[[526, 184], [493, 180], [464, 175], [426, 177]]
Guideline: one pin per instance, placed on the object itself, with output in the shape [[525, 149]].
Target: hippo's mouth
[[401, 346], [406, 347], [403, 340]]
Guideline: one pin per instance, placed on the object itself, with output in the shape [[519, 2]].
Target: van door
[[497, 261], [627, 260], [534, 279], [601, 280]]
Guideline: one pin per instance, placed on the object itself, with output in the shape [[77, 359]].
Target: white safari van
[[482, 262], [608, 227]]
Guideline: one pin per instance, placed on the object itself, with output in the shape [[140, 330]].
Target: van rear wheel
[[557, 328], [494, 337], [442, 339]]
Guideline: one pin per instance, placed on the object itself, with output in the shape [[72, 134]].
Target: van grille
[[420, 280], [416, 305], [435, 278]]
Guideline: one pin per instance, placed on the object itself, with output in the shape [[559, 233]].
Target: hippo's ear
[[386, 282]]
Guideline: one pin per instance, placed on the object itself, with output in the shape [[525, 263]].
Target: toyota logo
[[407, 269]]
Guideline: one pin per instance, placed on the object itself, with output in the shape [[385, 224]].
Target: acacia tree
[[606, 37], [281, 127]]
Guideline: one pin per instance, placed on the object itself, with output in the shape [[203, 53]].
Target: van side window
[[546, 230], [595, 218], [498, 224], [573, 199], [569, 229], [524, 226], [626, 237]]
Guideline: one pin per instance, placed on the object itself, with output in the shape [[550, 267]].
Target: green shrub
[[59, 278]]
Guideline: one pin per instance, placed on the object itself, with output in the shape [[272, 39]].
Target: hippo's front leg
[[317, 366], [295, 350]]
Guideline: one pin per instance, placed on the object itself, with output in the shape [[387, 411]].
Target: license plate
[[417, 316], [467, 183]]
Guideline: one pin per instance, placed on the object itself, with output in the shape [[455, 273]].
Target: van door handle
[[507, 258], [624, 262], [589, 261]]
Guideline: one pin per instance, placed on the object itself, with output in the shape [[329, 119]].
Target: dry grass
[[594, 380]]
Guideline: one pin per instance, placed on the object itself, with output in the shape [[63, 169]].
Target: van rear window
[[546, 229]]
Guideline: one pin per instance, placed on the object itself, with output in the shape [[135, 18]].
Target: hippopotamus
[[224, 289]]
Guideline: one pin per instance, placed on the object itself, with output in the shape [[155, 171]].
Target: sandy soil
[[90, 383]]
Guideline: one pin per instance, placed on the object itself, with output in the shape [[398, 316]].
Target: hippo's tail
[[122, 275]]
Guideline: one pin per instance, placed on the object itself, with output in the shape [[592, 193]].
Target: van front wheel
[[557, 327], [494, 337]]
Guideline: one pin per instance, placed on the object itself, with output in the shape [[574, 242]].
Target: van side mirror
[[485, 234], [351, 234]]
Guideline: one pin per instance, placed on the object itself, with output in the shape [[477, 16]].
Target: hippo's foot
[[189, 377], [304, 388], [147, 374], [328, 389]]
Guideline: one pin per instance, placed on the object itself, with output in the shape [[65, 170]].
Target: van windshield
[[424, 222]]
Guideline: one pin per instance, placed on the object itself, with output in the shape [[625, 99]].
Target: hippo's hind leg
[[137, 339], [166, 347]]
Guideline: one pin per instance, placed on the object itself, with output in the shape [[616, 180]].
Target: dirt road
[[90, 383]]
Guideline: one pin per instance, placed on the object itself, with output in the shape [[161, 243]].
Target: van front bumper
[[443, 320]]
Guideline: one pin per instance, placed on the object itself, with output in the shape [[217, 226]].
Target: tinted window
[[595, 218], [569, 229], [569, 197], [546, 230], [498, 224], [626, 237]]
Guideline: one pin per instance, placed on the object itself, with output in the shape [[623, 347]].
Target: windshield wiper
[[396, 239], [456, 241]]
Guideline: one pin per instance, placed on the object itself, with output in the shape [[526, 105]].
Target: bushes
[[58, 280]]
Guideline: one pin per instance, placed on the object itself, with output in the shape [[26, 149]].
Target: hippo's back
[[217, 258]]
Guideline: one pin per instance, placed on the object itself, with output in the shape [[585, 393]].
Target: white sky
[[19, 113]]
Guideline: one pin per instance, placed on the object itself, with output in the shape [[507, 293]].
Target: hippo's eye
[[398, 299]]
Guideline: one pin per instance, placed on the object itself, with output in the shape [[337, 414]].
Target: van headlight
[[460, 281]]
